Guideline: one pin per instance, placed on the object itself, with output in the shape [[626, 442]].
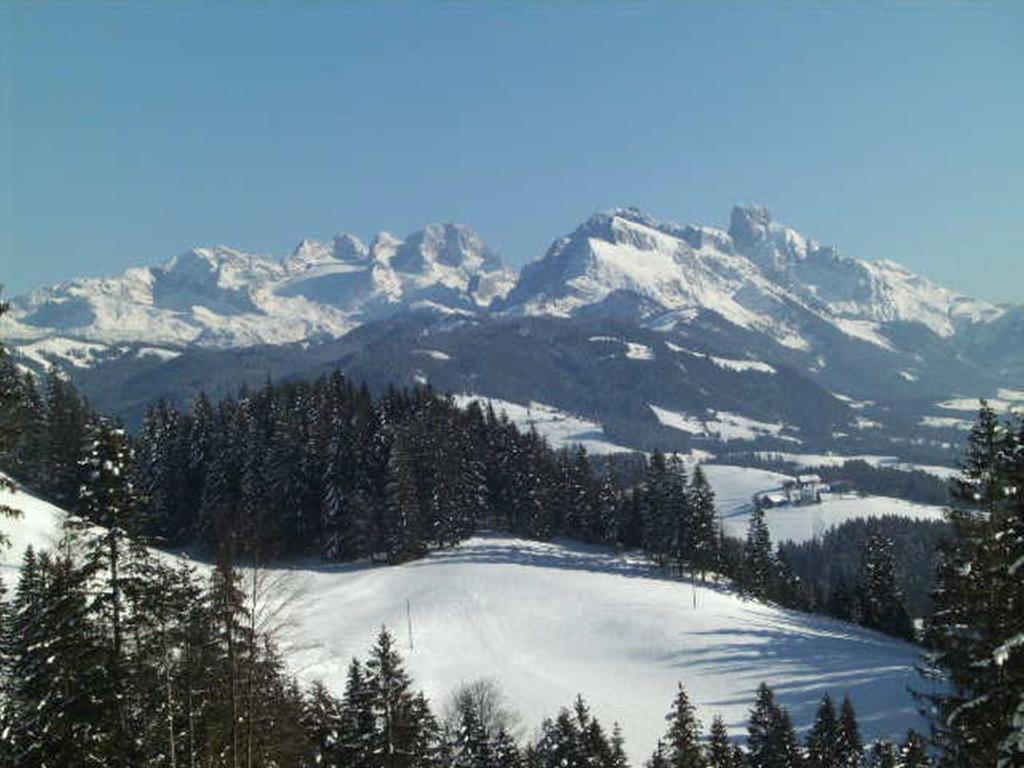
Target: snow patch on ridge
[[721, 425], [561, 429]]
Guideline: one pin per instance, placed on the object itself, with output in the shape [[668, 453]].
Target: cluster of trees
[[111, 655], [46, 428], [975, 635], [832, 566], [324, 467]]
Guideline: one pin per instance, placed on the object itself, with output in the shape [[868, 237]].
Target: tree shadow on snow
[[801, 661]]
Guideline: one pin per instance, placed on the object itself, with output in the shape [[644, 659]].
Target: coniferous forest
[[112, 655]]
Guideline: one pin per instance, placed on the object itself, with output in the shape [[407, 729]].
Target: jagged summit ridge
[[757, 274], [221, 296]]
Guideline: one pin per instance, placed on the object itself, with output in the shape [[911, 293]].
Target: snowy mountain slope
[[551, 620], [853, 289], [39, 527], [759, 274], [560, 429], [677, 269], [221, 297]]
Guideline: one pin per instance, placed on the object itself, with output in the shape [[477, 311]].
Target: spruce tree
[[357, 734], [704, 528], [682, 741], [758, 561], [114, 555], [339, 541], [595, 748], [881, 603], [61, 715], [560, 743], [850, 748], [914, 752], [785, 747], [608, 512], [618, 749], [979, 587], [771, 739], [1007, 691], [66, 428], [884, 754], [659, 526], [719, 751], [393, 703], [472, 747], [228, 615], [659, 758], [405, 515], [823, 741], [679, 516], [506, 751], [759, 729], [6, 679]]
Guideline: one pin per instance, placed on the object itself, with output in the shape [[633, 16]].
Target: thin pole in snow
[[408, 616]]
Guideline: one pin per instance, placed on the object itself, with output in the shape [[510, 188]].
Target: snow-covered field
[[802, 460], [553, 620], [735, 486], [721, 425], [561, 429], [805, 522]]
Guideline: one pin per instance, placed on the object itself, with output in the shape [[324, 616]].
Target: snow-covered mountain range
[[625, 319], [756, 274], [221, 297]]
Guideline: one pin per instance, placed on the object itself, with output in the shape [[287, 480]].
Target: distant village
[[802, 490]]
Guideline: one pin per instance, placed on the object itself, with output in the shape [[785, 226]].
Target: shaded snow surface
[[550, 620]]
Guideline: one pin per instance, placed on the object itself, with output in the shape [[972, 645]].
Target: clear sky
[[129, 133]]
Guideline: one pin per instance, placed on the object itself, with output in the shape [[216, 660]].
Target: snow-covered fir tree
[[881, 603], [975, 632], [682, 740], [823, 747], [758, 565]]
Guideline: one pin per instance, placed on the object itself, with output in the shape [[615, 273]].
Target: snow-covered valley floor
[[735, 486], [550, 620]]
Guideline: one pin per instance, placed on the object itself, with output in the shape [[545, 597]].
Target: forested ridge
[[324, 468]]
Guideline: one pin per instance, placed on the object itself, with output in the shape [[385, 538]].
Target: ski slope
[[550, 620]]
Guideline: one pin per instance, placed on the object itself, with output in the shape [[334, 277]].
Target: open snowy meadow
[[550, 620]]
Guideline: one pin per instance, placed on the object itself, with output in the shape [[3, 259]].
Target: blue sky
[[129, 133]]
